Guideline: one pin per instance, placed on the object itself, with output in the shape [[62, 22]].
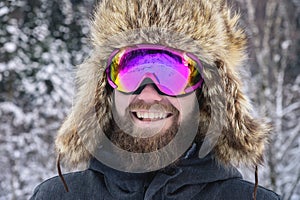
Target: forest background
[[42, 41]]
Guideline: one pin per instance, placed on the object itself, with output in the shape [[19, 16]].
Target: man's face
[[149, 120], [145, 115]]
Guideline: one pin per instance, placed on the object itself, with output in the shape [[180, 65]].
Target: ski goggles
[[174, 72]]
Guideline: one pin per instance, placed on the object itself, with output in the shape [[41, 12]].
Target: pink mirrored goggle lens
[[173, 72]]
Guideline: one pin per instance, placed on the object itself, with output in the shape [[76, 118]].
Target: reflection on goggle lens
[[172, 71]]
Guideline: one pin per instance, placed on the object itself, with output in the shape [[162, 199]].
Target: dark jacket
[[191, 178]]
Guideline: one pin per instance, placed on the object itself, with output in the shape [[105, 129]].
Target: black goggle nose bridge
[[147, 81]]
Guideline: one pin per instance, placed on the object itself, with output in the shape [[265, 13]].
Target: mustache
[[118, 132], [157, 106], [120, 137]]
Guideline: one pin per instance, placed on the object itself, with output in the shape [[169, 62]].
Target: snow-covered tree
[[274, 86], [40, 42]]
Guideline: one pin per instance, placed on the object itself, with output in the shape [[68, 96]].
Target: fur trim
[[207, 29]]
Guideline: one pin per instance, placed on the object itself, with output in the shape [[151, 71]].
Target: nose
[[149, 94]]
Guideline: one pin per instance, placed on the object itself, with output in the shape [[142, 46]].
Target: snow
[[41, 32], [9, 107], [276, 58], [285, 44], [2, 67], [10, 47], [4, 11], [11, 29]]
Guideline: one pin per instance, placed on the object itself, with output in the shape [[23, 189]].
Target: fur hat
[[204, 28]]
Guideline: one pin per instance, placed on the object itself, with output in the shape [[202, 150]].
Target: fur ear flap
[[69, 145], [76, 137], [243, 139]]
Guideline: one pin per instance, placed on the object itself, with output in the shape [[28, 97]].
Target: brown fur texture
[[206, 28]]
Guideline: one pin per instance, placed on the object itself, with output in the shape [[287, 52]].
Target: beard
[[123, 133], [163, 146]]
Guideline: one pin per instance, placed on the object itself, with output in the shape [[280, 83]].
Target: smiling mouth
[[148, 116]]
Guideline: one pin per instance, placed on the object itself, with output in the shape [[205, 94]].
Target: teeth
[[139, 115], [146, 115], [151, 115], [162, 115]]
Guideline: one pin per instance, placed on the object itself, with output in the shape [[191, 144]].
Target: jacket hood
[[207, 29]]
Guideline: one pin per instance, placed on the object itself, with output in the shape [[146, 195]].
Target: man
[[160, 113]]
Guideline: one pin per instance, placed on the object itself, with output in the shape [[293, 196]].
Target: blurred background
[[42, 41]]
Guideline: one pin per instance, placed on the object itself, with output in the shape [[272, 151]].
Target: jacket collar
[[190, 170]]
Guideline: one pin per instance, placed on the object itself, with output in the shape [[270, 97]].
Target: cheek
[[185, 105], [121, 102]]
